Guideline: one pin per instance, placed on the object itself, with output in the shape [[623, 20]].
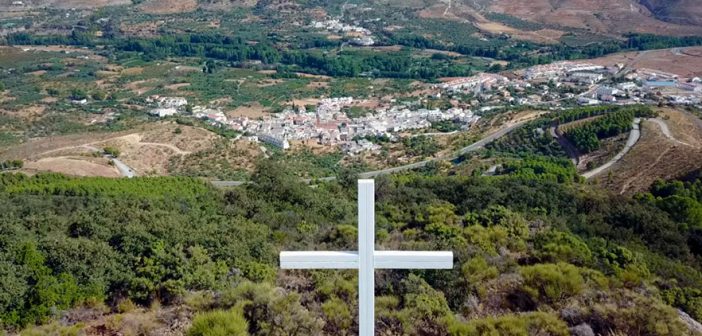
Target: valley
[[156, 156]]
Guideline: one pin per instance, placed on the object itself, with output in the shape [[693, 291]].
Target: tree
[[78, 94], [99, 95], [112, 151], [210, 67]]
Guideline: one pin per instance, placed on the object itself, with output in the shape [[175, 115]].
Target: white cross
[[367, 259]]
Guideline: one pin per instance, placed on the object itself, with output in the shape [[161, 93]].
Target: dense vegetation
[[534, 138], [238, 51], [535, 253], [550, 168], [587, 137], [319, 57], [421, 145]]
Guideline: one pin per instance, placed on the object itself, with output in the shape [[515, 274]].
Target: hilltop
[[157, 256]]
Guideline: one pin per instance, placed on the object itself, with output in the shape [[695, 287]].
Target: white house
[[163, 112], [274, 140]]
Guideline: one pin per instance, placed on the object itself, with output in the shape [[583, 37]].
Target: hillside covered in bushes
[[533, 256]]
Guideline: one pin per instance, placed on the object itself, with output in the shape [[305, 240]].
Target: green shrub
[[639, 316], [477, 271], [111, 151], [338, 316], [126, 306], [537, 323], [258, 272], [54, 329], [200, 301], [272, 311], [552, 283], [555, 246], [219, 323]]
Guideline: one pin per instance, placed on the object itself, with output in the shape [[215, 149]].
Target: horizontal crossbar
[[382, 260]]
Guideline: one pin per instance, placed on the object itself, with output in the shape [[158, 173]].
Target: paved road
[[471, 148], [634, 137], [434, 134], [475, 146], [125, 170]]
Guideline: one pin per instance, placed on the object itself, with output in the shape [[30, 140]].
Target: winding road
[[471, 148], [666, 132], [371, 174], [634, 137], [125, 170]]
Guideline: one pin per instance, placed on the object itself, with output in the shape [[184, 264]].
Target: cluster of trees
[[111, 151], [528, 247], [587, 137], [585, 112], [521, 54], [237, 50], [683, 201], [556, 169], [352, 63], [650, 41], [11, 165], [446, 126], [533, 138], [420, 145]]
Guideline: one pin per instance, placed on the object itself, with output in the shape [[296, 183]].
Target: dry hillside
[[665, 17], [602, 16], [678, 11]]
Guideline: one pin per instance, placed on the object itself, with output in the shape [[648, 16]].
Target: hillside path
[[634, 137]]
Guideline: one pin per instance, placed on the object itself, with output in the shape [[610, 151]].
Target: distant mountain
[[609, 17], [667, 17], [677, 11], [614, 17]]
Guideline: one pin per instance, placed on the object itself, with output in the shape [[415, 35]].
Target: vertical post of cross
[[366, 249]]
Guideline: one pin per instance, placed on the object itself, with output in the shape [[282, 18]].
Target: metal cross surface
[[366, 259]]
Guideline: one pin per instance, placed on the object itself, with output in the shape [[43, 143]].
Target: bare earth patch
[[317, 85], [683, 126], [132, 71], [168, 6], [539, 36], [73, 166], [147, 150], [177, 87], [28, 113], [656, 157], [306, 101], [141, 86], [67, 4], [610, 16], [253, 111], [687, 62]]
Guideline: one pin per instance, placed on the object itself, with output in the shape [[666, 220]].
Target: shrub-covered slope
[[533, 256]]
